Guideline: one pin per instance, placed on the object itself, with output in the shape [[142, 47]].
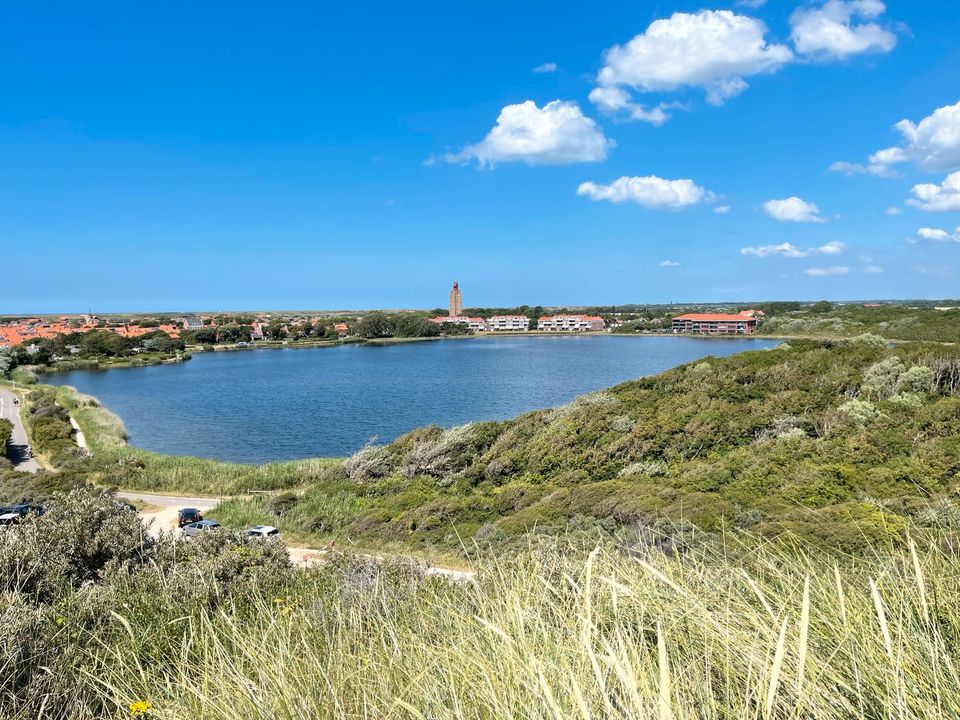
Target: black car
[[13, 514], [188, 516]]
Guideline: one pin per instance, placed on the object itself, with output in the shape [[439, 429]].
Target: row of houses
[[23, 331], [521, 323]]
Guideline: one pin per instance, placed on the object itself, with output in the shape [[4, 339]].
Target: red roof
[[714, 317]]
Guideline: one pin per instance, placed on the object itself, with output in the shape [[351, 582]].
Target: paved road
[[17, 449], [162, 515]]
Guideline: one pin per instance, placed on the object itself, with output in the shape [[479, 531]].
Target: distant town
[[241, 328], [88, 334]]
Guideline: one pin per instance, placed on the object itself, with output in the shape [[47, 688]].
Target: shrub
[[882, 379], [372, 461], [870, 339], [861, 411], [652, 468], [918, 379], [6, 432]]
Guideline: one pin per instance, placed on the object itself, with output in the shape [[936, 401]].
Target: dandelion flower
[[140, 708]]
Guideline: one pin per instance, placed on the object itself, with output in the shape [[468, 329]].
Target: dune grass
[[735, 629]]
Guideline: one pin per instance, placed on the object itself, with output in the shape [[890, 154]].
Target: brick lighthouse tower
[[456, 301]]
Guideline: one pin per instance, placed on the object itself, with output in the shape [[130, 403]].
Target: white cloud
[[651, 192], [792, 251], [784, 249], [893, 210], [751, 3], [872, 168], [547, 67], [938, 198], [793, 209], [711, 49], [721, 209], [832, 248], [873, 269], [669, 264], [825, 271], [556, 134], [616, 100], [931, 144], [840, 28], [938, 234]]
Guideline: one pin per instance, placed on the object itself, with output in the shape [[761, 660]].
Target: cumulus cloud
[[937, 198], [938, 234], [893, 210], [651, 192], [825, 271], [556, 134], [751, 3], [931, 144], [792, 251], [783, 249], [711, 49], [832, 248], [669, 264], [721, 209], [547, 67], [872, 168], [793, 209], [840, 28], [617, 101], [873, 269]]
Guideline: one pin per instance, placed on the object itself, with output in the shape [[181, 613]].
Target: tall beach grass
[[734, 629]]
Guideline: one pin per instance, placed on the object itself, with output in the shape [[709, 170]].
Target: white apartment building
[[477, 324], [570, 323], [504, 323]]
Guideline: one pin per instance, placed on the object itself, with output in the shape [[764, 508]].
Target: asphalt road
[[17, 448]]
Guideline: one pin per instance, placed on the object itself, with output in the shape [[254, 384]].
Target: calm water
[[261, 405]]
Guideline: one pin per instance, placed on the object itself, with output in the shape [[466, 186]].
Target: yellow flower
[[141, 707]]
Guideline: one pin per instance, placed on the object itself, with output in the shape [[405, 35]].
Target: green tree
[[374, 325], [231, 333], [276, 330]]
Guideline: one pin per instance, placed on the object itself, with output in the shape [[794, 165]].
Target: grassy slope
[[757, 440], [897, 322]]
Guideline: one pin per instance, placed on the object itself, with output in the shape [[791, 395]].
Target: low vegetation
[[102, 620], [840, 443], [891, 320]]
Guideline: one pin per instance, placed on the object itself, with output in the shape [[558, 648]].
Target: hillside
[[838, 442], [897, 321]]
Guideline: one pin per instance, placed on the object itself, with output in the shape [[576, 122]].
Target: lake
[[256, 406]]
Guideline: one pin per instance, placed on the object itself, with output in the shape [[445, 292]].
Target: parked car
[[188, 516], [263, 531], [13, 514], [200, 526]]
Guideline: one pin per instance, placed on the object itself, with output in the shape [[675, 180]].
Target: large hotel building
[[743, 323]]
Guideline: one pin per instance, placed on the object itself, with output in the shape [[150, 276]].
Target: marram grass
[[736, 630]]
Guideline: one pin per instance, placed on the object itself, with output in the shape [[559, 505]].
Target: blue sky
[[165, 156]]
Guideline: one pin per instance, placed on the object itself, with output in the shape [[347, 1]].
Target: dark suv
[[13, 514], [188, 516]]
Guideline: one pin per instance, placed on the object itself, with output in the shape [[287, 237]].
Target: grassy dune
[[841, 443], [736, 629]]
